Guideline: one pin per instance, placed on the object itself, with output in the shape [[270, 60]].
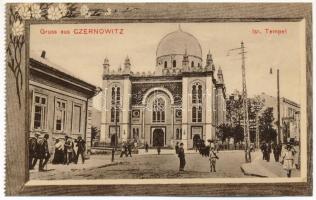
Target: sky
[[83, 54]]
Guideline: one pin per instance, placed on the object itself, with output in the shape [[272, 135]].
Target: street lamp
[[278, 106]]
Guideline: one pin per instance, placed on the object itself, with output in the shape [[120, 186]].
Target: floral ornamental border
[[19, 13]]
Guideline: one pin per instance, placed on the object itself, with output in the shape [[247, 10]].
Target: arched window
[[194, 114], [165, 64], [178, 134], [174, 63], [199, 114], [135, 133], [115, 104], [194, 92], [180, 130], [192, 64], [197, 95], [159, 110]]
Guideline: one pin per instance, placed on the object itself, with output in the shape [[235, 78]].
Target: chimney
[[43, 54]]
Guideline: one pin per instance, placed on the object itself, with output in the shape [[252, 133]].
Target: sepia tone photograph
[[159, 102]]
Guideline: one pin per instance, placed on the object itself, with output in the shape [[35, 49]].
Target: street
[[145, 167]]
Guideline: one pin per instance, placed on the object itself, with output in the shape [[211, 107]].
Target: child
[[213, 158]]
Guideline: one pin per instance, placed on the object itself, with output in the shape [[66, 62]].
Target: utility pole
[[279, 122], [278, 106], [245, 101], [245, 104]]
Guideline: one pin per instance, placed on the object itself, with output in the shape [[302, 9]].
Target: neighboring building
[[60, 102], [289, 115], [179, 102]]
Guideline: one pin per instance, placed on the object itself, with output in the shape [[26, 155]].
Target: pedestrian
[[158, 149], [43, 152], [288, 159], [123, 150], [59, 152], [181, 156], [33, 143], [177, 147], [68, 150], [213, 158], [129, 149], [248, 153], [146, 147], [216, 146], [268, 151], [276, 152], [263, 148], [81, 144], [136, 146]]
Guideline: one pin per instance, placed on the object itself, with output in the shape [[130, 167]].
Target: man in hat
[[68, 150], [43, 152], [33, 143], [81, 144], [213, 158], [181, 156]]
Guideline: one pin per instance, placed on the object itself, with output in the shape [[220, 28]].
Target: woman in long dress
[[59, 152], [288, 159]]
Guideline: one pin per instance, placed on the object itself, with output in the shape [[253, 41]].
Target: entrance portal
[[196, 141], [113, 141], [158, 137]]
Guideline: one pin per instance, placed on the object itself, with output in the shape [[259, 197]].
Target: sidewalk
[[262, 168], [93, 162]]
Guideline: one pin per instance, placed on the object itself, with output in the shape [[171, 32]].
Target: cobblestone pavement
[[146, 166]]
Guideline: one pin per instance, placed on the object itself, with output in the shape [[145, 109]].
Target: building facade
[[182, 100], [289, 115], [60, 103]]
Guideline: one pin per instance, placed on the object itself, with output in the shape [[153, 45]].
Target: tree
[[267, 132], [234, 109], [238, 132], [224, 131]]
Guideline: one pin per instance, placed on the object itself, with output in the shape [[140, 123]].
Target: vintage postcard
[[107, 96]]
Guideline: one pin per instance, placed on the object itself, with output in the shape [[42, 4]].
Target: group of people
[[64, 151], [38, 150], [283, 155], [127, 149], [209, 150]]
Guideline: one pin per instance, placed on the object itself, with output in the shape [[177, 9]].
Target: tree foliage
[[234, 110], [267, 132], [227, 131]]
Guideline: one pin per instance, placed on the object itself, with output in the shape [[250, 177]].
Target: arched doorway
[[113, 140], [196, 141], [158, 137]]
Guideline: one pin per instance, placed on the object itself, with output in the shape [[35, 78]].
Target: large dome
[[176, 42]]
